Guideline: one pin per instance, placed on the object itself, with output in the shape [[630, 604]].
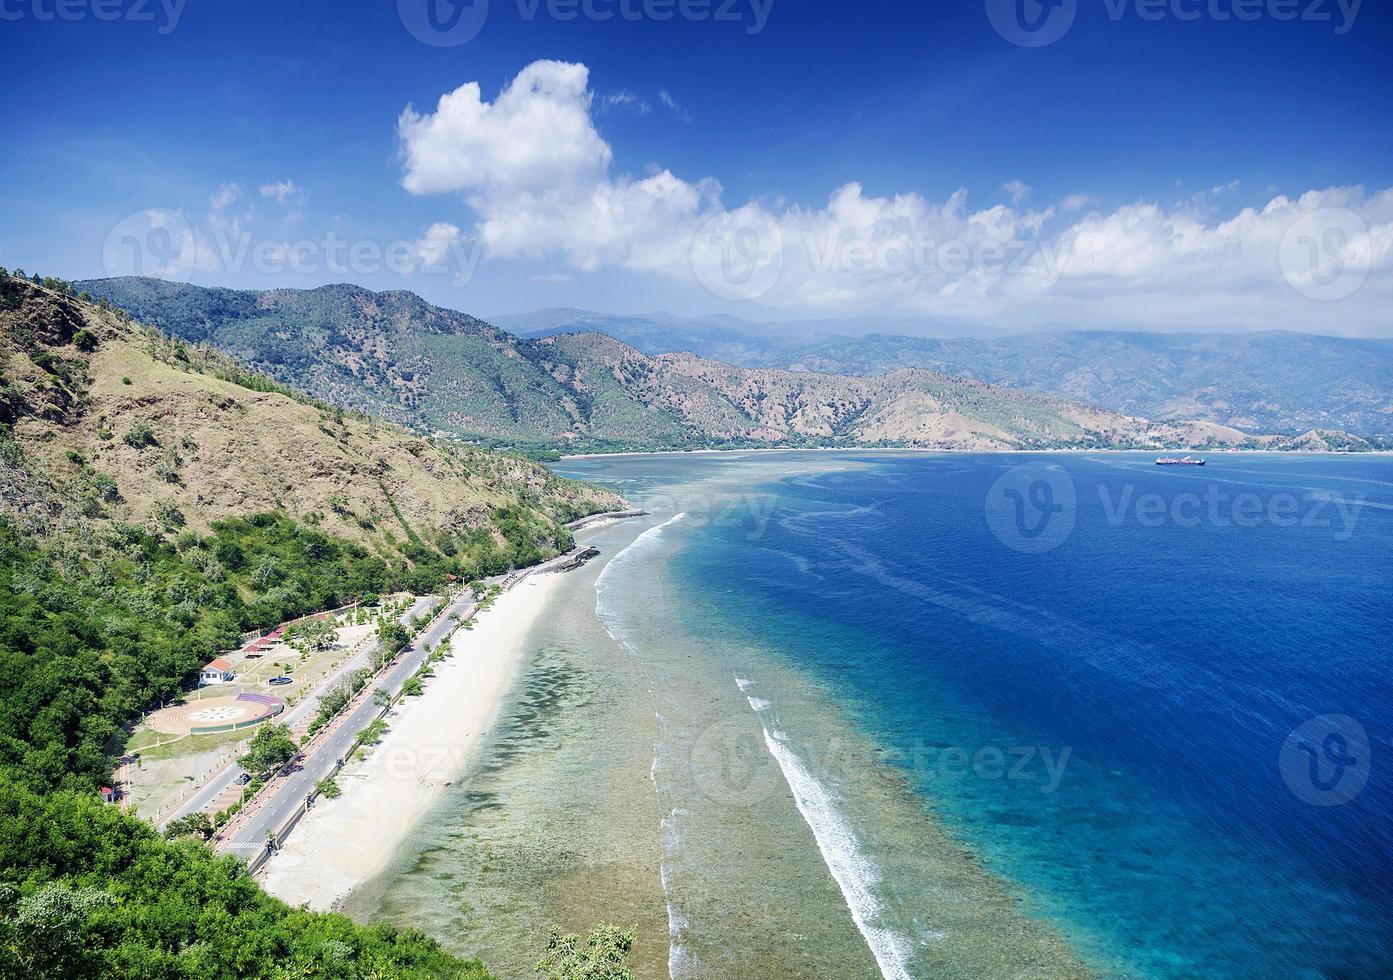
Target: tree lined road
[[223, 780], [283, 799], [410, 661], [287, 794]]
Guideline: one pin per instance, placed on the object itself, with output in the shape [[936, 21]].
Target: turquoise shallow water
[[1155, 703]]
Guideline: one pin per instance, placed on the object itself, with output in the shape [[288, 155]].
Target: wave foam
[[853, 871], [680, 960], [609, 617]]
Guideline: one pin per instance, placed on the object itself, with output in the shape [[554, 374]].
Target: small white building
[[217, 671]]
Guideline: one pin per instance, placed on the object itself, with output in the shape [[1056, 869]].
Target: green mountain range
[[438, 370]]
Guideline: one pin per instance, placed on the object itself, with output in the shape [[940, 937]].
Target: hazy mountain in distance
[[722, 337], [441, 370], [719, 337], [1268, 381]]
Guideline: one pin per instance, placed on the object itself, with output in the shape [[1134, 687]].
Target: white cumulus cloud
[[226, 195], [538, 178]]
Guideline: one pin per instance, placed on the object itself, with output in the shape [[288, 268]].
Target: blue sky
[[1130, 147]]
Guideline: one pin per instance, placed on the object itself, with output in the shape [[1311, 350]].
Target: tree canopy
[[88, 891]]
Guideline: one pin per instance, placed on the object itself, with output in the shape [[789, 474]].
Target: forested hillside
[[155, 502]]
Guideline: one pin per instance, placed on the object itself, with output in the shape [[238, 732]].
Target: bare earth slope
[[144, 429]]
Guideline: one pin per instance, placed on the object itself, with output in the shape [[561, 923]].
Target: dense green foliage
[[93, 629], [90, 635], [101, 619], [603, 957], [270, 748], [86, 891]]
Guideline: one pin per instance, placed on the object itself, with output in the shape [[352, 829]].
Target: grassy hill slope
[[144, 429]]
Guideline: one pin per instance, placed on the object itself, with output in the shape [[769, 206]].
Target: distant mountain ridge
[[1269, 381], [439, 370]]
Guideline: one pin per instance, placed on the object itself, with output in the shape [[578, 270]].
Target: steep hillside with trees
[[156, 502]]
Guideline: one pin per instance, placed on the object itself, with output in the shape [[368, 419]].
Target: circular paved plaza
[[209, 715]]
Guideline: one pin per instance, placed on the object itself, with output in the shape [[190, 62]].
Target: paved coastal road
[[289, 794], [281, 801], [221, 781]]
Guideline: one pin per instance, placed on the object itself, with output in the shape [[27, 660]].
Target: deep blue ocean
[[1156, 702]]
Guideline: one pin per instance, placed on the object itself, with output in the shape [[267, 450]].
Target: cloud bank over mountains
[[538, 181]]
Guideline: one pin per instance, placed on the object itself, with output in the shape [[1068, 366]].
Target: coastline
[[947, 451], [343, 843]]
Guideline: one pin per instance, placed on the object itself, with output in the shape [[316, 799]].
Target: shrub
[[139, 436], [168, 466]]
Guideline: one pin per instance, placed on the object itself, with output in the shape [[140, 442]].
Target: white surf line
[[680, 961], [854, 873]]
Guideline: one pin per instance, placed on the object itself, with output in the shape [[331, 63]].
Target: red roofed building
[[217, 671]]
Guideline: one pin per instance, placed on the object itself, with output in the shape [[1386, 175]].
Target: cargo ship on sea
[[1182, 461]]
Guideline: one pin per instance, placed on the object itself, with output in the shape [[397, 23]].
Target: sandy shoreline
[[340, 844]]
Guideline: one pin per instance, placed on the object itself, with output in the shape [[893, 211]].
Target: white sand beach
[[342, 843]]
